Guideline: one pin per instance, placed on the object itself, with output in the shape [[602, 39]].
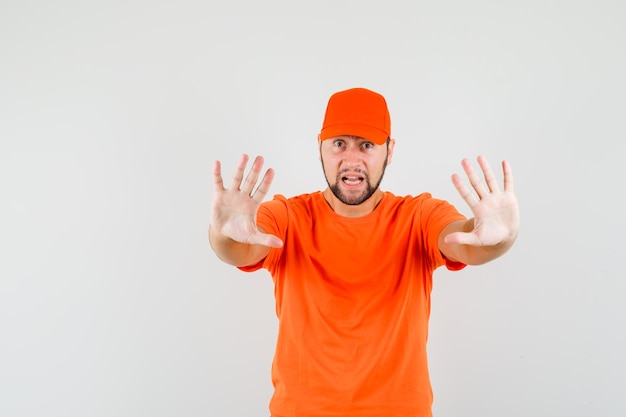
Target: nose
[[352, 155]]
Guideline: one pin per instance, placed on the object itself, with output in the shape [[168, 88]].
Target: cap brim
[[367, 132]]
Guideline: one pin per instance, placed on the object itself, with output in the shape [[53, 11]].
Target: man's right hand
[[234, 210]]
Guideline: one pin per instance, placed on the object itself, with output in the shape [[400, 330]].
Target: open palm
[[234, 209], [496, 212]]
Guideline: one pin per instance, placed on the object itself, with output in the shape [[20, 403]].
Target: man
[[352, 265]]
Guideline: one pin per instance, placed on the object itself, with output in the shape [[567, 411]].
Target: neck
[[358, 210]]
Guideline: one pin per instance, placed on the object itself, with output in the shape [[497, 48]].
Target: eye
[[367, 145], [338, 143]]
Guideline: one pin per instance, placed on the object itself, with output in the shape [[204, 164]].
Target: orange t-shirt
[[353, 303]]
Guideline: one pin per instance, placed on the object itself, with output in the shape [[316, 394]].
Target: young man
[[352, 265]]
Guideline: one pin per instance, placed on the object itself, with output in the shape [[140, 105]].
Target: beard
[[354, 199]]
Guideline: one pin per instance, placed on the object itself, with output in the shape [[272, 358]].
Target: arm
[[494, 227], [233, 233]]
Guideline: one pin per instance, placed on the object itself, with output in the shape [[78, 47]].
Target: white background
[[112, 113]]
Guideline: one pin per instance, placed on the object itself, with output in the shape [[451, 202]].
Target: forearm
[[236, 253]]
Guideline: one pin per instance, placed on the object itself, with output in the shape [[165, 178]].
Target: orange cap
[[357, 112]]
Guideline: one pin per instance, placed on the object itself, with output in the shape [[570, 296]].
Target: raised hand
[[496, 212], [234, 209]]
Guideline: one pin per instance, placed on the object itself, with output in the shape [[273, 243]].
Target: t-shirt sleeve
[[437, 214], [272, 218]]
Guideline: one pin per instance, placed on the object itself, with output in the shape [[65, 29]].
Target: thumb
[[265, 239], [462, 238]]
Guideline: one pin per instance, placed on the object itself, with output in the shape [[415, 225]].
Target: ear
[[319, 147], [392, 144]]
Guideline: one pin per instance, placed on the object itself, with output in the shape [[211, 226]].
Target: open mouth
[[352, 180]]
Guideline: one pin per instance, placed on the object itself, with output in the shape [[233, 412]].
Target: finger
[[238, 176], [469, 198], [264, 186], [474, 179], [253, 175], [490, 178], [508, 176], [218, 183]]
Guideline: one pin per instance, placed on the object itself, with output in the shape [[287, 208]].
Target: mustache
[[355, 170]]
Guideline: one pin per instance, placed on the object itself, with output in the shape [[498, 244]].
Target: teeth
[[352, 180]]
